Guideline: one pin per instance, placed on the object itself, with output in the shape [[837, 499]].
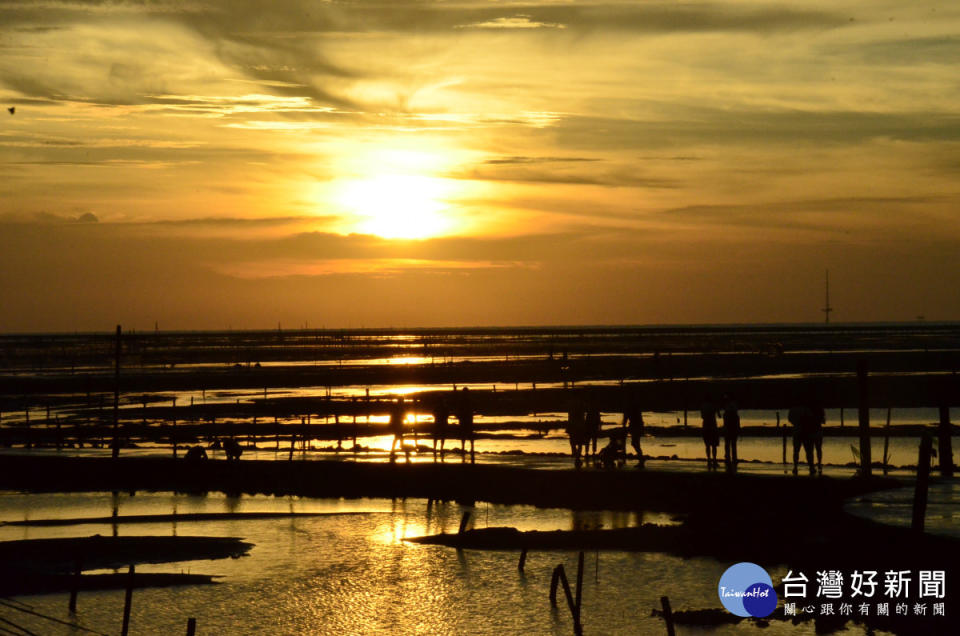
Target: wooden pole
[[115, 512], [523, 560], [560, 576], [74, 585], [464, 520], [127, 601], [923, 477], [191, 626], [116, 398], [886, 443], [667, 615], [866, 464], [783, 434], [554, 582], [336, 424], [173, 436], [579, 597], [945, 444]]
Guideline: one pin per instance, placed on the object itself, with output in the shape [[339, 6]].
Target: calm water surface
[[355, 574]]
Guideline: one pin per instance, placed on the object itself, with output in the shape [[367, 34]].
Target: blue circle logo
[[746, 589]]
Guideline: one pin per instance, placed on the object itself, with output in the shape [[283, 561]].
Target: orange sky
[[343, 164]]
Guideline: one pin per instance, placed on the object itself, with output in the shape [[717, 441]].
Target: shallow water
[[354, 574], [757, 454], [895, 507]]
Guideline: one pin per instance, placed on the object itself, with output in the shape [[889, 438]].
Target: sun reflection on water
[[355, 574]]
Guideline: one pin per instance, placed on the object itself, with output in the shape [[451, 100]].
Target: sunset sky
[[238, 164]]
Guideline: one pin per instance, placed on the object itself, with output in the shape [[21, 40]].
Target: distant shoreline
[[493, 329]]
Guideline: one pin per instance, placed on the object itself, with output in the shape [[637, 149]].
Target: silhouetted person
[[731, 431], [441, 415], [465, 420], [818, 418], [232, 449], [633, 422], [611, 454], [196, 454], [592, 423], [576, 430], [711, 435], [397, 415], [801, 418], [337, 431]]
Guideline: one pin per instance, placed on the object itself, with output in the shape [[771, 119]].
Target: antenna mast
[[826, 307]]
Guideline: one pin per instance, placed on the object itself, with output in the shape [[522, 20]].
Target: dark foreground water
[[354, 574]]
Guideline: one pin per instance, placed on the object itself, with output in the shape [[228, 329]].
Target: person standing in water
[[397, 415], [577, 431], [711, 436], [465, 419], [731, 431], [801, 417], [633, 422], [818, 417], [592, 423], [440, 416]]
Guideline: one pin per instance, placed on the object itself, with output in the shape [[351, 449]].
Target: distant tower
[[826, 307]]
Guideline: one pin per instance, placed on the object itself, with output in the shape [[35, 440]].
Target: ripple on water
[[354, 574]]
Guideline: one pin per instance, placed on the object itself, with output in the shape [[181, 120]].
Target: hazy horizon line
[[598, 327]]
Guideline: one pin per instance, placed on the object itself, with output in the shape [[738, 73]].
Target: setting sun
[[502, 163], [407, 290], [398, 206]]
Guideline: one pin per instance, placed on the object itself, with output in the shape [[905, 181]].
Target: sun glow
[[400, 206]]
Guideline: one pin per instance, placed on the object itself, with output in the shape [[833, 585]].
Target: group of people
[[730, 415], [807, 421], [463, 411], [583, 428], [231, 449]]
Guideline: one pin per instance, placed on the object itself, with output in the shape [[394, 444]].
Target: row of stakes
[[559, 577], [127, 602], [575, 597]]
